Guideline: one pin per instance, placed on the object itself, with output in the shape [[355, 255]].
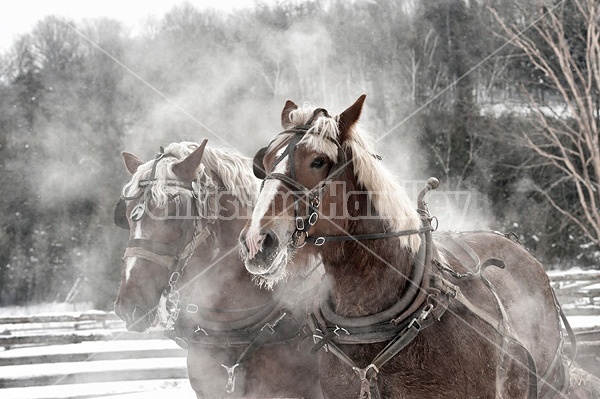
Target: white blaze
[[265, 198]]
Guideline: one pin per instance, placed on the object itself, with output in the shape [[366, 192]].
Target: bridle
[[313, 196], [173, 256], [300, 236]]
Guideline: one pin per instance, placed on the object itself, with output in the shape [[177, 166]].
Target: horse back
[[517, 288]]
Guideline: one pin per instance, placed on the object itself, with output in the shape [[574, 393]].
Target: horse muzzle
[[138, 319], [262, 253]]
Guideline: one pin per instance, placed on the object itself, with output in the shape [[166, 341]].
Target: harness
[[268, 324], [424, 302], [273, 323], [331, 330]]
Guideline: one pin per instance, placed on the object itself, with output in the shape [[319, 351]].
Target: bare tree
[[563, 44]]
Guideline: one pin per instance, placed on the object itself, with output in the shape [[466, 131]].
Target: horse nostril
[[270, 240]]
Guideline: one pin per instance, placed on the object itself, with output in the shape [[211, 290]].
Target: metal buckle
[[365, 380], [138, 212], [413, 322], [299, 223], [425, 312], [422, 316], [431, 219], [315, 201], [317, 338], [295, 239]]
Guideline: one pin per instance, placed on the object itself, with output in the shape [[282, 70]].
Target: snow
[[53, 377], [584, 322], [148, 389], [156, 368], [90, 347], [62, 369]]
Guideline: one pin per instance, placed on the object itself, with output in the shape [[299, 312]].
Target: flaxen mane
[[231, 168]]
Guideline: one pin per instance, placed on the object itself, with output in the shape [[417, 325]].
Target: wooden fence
[[86, 355], [91, 354]]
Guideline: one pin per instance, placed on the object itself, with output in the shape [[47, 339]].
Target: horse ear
[[132, 163], [285, 114], [349, 117], [187, 169]]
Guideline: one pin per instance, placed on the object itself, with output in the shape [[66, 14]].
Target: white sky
[[21, 15]]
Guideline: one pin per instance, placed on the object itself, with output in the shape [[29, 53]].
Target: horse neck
[[224, 282], [366, 276]]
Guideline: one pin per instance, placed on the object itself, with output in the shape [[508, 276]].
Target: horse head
[[319, 179], [160, 207]]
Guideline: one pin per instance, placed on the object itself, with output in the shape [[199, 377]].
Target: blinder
[[153, 248], [258, 166], [120, 217]]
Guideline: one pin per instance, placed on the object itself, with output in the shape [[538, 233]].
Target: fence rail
[[578, 293], [82, 355], [38, 358]]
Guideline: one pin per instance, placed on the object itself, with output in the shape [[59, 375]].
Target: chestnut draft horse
[[184, 210], [469, 315]]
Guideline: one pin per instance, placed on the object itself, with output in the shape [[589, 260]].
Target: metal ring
[[319, 241], [436, 222], [192, 308], [174, 277]]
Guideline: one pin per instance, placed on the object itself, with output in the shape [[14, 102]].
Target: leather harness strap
[[329, 337]]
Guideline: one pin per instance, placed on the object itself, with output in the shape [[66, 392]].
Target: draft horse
[[401, 315], [184, 210]]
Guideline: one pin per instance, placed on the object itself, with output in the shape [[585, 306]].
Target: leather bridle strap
[[373, 236], [298, 190], [167, 261]]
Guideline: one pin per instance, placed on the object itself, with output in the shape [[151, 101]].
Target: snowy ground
[[87, 378], [153, 368]]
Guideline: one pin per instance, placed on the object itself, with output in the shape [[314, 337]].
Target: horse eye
[[317, 163]]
